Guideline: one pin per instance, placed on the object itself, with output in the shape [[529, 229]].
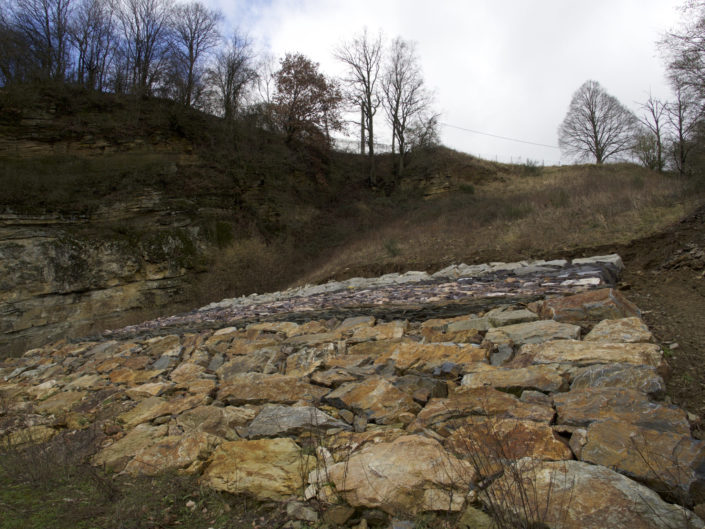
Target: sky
[[500, 67]]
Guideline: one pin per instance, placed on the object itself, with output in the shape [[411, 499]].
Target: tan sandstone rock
[[594, 305], [410, 474], [622, 330], [257, 388], [583, 496], [266, 468]]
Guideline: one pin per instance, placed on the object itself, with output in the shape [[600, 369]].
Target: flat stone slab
[[280, 421], [588, 353]]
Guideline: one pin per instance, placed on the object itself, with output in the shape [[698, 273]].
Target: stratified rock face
[[403, 416], [411, 474], [266, 468], [583, 496]]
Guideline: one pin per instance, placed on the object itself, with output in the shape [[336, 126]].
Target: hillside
[[113, 210]]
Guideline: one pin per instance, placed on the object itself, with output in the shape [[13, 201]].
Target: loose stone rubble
[[553, 391]]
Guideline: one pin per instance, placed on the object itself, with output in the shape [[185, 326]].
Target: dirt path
[[665, 276]]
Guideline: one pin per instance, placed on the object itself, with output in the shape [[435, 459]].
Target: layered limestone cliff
[[64, 276]]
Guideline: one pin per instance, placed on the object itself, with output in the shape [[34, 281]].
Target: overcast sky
[[502, 67]]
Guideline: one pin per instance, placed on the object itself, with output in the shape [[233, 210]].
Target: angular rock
[[640, 378], [187, 372], [266, 468], [60, 402], [333, 377], [479, 401], [584, 406], [583, 496], [278, 421], [588, 353], [256, 388], [501, 317], [24, 437], [221, 422], [664, 461], [500, 439], [133, 377], [427, 357], [410, 474], [422, 388], [307, 360], [286, 328], [375, 398], [594, 305], [154, 407], [150, 389], [622, 330], [541, 377], [118, 454], [176, 452], [533, 332], [392, 331], [255, 362]]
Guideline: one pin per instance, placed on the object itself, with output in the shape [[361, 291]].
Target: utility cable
[[500, 137]]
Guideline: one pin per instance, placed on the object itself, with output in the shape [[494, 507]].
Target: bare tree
[[307, 104], [684, 115], [653, 118], [404, 97], [363, 57], [685, 51], [92, 31], [596, 125], [17, 64], [144, 25], [195, 34], [233, 70], [44, 25]]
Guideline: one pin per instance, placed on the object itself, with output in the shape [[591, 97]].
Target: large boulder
[[588, 353], [409, 475], [640, 378], [577, 495], [266, 468], [584, 406], [666, 461], [624, 330]]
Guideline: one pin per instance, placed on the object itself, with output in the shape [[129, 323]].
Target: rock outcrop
[[398, 415]]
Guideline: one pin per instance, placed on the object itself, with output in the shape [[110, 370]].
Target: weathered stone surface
[[221, 422], [153, 407], [422, 388], [287, 328], [584, 406], [533, 332], [277, 421], [640, 378], [594, 305], [262, 360], [410, 474], [375, 398], [392, 331], [498, 438], [333, 377], [503, 316], [265, 468], [118, 454], [91, 382], [588, 353], [60, 402], [427, 357], [622, 330], [477, 401], [150, 389], [186, 372], [133, 377], [541, 377], [584, 496], [28, 436], [663, 460], [307, 360], [256, 388], [187, 452]]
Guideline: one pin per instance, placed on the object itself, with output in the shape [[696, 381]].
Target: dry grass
[[517, 216]]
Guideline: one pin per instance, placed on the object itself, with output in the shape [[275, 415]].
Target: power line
[[500, 137]]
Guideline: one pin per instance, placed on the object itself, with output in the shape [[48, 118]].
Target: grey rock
[[276, 420]]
